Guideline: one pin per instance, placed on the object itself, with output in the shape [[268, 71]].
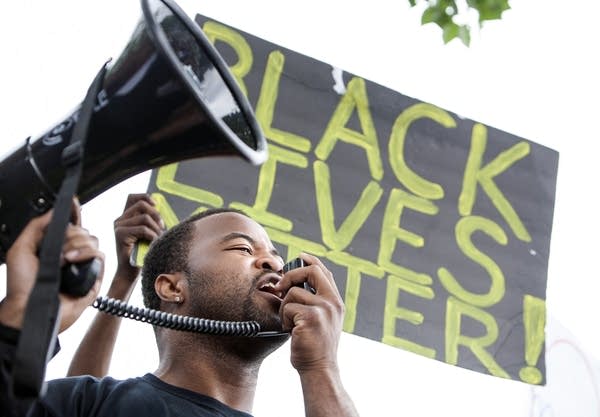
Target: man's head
[[169, 253], [218, 264]]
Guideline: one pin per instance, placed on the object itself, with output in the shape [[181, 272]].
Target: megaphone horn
[[168, 97]]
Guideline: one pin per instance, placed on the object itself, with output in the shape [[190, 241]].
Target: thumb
[[30, 237]]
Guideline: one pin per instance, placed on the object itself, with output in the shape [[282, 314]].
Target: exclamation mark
[[534, 322]]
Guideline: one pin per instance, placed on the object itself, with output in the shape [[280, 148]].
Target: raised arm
[[315, 321], [22, 266], [140, 221]]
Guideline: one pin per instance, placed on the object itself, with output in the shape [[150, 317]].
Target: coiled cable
[[193, 324], [178, 322]]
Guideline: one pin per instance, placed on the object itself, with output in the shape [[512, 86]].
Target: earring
[[178, 299]]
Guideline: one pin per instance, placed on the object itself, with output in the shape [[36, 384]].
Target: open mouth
[[268, 286]]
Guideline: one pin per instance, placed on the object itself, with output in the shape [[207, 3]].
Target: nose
[[270, 262]]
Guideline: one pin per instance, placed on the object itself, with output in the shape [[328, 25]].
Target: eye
[[243, 249]]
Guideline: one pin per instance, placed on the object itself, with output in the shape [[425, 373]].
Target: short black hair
[[169, 253]]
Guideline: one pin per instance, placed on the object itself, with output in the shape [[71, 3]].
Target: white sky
[[533, 74]]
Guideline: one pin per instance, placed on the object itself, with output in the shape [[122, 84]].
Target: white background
[[533, 74]]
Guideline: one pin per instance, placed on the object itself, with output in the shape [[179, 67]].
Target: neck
[[210, 365]]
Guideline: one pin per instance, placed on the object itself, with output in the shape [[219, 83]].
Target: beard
[[268, 319], [238, 300]]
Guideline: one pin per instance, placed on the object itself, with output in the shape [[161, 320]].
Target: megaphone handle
[[78, 279]]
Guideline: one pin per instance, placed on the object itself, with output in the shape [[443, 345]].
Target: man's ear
[[171, 288]]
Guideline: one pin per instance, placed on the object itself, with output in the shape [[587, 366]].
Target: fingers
[[22, 263], [303, 308], [293, 310], [134, 198], [315, 320], [141, 226], [140, 204], [73, 306], [313, 260], [140, 221], [21, 270], [140, 218], [315, 274], [75, 211], [300, 306], [31, 236], [80, 246]]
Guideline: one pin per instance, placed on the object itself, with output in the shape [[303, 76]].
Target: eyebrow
[[249, 239]]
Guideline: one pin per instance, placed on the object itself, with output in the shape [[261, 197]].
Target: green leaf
[[431, 15], [464, 33], [442, 13], [489, 9], [495, 12], [451, 30]]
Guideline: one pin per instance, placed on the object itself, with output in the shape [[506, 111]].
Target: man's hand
[[315, 320], [79, 246], [22, 266], [140, 221]]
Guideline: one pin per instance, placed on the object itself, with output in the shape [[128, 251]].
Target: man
[[221, 265]]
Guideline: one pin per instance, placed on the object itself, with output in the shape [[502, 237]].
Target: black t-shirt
[[146, 396], [86, 396]]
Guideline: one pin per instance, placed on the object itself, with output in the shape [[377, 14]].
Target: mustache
[[258, 276]]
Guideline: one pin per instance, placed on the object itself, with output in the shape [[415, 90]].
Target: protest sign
[[437, 228]]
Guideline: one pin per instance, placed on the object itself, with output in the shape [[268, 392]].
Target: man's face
[[233, 265]]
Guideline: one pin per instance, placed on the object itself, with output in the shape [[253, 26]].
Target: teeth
[[269, 287]]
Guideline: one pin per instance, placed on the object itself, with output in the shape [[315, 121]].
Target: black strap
[[40, 324]]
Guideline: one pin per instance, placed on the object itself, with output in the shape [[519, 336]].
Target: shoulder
[[85, 383], [85, 395], [143, 396]]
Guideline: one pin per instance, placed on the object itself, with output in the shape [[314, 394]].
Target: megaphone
[[168, 97]]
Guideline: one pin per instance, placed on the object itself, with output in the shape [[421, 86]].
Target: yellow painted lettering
[[264, 191], [391, 232], [393, 312], [352, 293], [455, 309], [265, 107], [414, 182], [167, 214], [465, 228], [355, 98], [475, 173], [356, 268], [340, 239], [365, 266], [217, 32], [534, 323], [297, 243], [165, 181]]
